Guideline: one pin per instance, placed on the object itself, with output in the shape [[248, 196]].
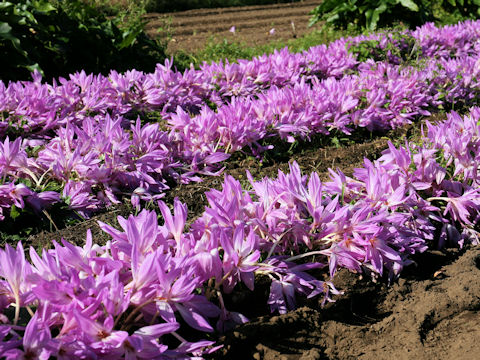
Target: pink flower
[[14, 269], [239, 258], [176, 223], [37, 342]]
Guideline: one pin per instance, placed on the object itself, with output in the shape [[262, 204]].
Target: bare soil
[[431, 312], [193, 28]]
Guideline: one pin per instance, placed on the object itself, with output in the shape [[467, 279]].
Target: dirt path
[[193, 28]]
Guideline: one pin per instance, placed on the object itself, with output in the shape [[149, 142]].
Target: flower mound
[[132, 297]]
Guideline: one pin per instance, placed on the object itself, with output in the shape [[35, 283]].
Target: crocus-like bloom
[[37, 342], [174, 224], [14, 269], [12, 156], [239, 258]]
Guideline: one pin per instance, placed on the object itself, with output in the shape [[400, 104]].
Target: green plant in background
[[464, 9], [401, 49], [61, 37], [370, 14], [13, 16], [217, 49]]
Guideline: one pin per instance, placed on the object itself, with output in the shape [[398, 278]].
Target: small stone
[[312, 354]]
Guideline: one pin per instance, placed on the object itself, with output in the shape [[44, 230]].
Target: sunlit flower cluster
[[83, 136], [127, 299], [158, 286]]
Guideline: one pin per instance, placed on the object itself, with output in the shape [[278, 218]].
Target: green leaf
[[332, 18], [313, 20], [374, 15], [130, 36], [409, 4], [5, 5], [34, 67], [336, 142], [5, 34], [44, 7], [4, 28], [14, 213]]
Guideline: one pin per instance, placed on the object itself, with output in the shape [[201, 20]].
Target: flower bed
[[79, 142], [117, 300]]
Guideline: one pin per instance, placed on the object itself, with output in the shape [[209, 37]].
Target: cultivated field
[[322, 176], [192, 29]]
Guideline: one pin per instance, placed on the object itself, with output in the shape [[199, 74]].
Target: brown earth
[[431, 312], [193, 28]]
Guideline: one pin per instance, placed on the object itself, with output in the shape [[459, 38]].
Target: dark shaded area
[[61, 38]]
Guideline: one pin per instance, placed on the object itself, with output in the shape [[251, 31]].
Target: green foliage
[[61, 37], [465, 9], [370, 14], [401, 49], [215, 51]]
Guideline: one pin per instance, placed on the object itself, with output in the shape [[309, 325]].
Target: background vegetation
[[61, 37], [370, 14]]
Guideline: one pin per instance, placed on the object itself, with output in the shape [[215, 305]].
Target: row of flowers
[[127, 298], [36, 108], [78, 136], [97, 160]]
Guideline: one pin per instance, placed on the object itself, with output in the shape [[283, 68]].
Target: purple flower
[[43, 200], [176, 223], [37, 342], [12, 156], [282, 296], [14, 269], [239, 258]]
